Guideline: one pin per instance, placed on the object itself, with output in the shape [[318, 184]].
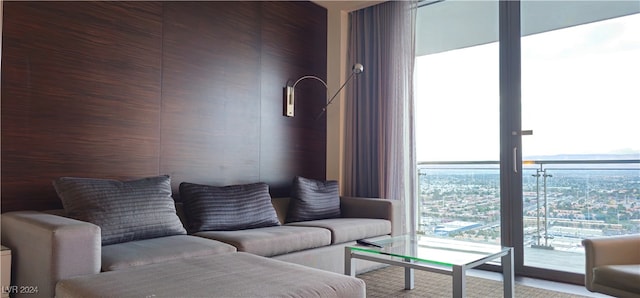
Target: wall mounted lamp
[[289, 98]]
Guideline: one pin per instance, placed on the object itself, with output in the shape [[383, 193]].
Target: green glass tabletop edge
[[373, 251]]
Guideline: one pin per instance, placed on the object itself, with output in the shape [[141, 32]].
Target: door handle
[[528, 132], [515, 159]]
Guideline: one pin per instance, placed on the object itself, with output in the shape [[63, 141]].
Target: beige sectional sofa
[[48, 247], [237, 274]]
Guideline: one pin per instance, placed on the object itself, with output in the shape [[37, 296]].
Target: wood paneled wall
[[126, 90]]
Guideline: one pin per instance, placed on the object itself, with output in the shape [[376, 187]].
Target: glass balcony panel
[[564, 202]]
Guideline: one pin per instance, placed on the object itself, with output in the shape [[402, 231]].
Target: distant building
[[448, 228], [571, 232]]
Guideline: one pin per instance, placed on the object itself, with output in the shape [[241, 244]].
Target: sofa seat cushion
[[157, 250], [623, 277], [272, 241], [349, 229], [226, 275]]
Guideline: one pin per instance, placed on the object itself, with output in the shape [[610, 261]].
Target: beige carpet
[[389, 282]]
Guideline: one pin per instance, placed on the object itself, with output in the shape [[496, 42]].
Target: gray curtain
[[379, 118]]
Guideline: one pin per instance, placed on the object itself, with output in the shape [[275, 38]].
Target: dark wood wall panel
[[80, 95], [211, 117], [131, 89], [295, 146]]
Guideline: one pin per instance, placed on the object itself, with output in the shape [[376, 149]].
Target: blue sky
[[580, 95]]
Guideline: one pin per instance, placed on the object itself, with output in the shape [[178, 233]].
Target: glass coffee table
[[439, 255]]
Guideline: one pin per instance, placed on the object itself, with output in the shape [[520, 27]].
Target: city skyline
[[590, 202]]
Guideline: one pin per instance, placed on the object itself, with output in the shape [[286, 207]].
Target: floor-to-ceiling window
[[580, 99], [580, 172], [457, 121]]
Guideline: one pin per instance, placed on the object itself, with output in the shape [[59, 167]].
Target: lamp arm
[[309, 77], [289, 91], [324, 109], [290, 94]]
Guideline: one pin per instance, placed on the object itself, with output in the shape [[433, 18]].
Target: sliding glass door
[[580, 101], [526, 125]]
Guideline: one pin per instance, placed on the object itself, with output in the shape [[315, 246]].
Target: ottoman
[[224, 275]]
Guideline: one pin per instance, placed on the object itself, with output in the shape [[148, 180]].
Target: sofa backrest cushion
[[281, 205], [313, 199], [227, 208], [124, 210]]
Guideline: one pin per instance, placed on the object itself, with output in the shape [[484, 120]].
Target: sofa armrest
[[615, 250], [373, 208], [46, 248]]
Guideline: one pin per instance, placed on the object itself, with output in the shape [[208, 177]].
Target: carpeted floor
[[389, 282]]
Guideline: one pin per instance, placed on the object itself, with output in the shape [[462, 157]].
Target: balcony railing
[[564, 201]]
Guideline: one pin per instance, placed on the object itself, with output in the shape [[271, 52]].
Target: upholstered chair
[[613, 265]]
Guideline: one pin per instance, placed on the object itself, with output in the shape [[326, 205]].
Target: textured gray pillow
[[124, 210], [227, 208], [313, 199]]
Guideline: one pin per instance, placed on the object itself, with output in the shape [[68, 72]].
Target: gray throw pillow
[[227, 208], [124, 210], [313, 199]]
